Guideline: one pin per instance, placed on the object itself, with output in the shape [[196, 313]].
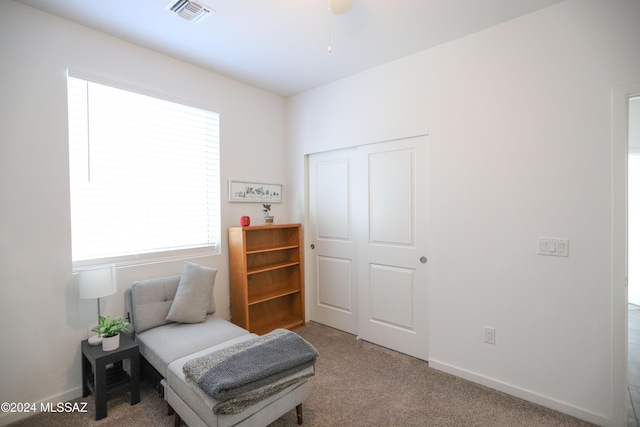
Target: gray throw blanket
[[240, 403], [254, 369]]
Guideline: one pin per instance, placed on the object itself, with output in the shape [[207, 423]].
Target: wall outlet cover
[[489, 335]]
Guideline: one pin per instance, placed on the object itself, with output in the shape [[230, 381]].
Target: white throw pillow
[[194, 295]]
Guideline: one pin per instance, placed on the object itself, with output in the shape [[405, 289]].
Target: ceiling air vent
[[190, 10]]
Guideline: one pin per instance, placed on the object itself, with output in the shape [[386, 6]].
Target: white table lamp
[[97, 282]]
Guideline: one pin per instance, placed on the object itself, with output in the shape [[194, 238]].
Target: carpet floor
[[356, 384]]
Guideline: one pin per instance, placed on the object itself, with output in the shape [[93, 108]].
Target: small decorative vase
[[110, 343], [268, 220]]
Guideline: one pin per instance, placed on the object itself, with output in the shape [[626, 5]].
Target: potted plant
[[268, 219], [110, 329]]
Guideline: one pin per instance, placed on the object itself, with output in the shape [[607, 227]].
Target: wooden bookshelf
[[267, 285]]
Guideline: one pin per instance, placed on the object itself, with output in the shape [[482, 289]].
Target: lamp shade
[[97, 282]]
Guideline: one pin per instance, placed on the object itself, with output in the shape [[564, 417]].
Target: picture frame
[[254, 192]]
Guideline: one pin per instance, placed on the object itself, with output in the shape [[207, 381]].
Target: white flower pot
[[110, 343]]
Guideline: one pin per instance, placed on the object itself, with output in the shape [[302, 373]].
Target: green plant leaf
[[110, 327]]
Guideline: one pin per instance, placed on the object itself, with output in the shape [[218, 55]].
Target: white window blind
[[144, 173]]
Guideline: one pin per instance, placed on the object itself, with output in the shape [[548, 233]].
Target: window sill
[[150, 258]]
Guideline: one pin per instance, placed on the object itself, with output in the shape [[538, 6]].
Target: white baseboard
[[11, 417], [522, 393]]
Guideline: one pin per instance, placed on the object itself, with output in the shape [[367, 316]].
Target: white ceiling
[[281, 45]]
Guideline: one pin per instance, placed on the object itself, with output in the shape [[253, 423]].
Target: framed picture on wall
[[254, 192]]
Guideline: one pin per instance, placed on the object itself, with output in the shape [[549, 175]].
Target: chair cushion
[[151, 301], [161, 346], [194, 294]]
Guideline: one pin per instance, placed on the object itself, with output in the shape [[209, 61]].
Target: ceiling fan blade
[[339, 7]]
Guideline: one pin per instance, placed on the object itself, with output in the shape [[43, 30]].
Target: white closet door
[[367, 272], [392, 197], [331, 267]]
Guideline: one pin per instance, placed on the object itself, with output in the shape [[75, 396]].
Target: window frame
[[151, 256]]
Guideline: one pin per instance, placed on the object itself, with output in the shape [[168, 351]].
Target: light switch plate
[[553, 246]]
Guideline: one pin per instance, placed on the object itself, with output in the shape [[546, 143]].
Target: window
[[144, 174]]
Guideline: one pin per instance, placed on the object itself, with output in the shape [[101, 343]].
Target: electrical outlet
[[489, 335]]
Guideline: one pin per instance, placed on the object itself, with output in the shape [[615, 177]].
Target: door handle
[[423, 259], [313, 246]]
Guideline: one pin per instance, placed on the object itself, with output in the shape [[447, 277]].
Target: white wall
[[634, 201], [43, 320], [520, 147]]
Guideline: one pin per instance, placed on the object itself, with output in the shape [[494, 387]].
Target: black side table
[[103, 381]]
